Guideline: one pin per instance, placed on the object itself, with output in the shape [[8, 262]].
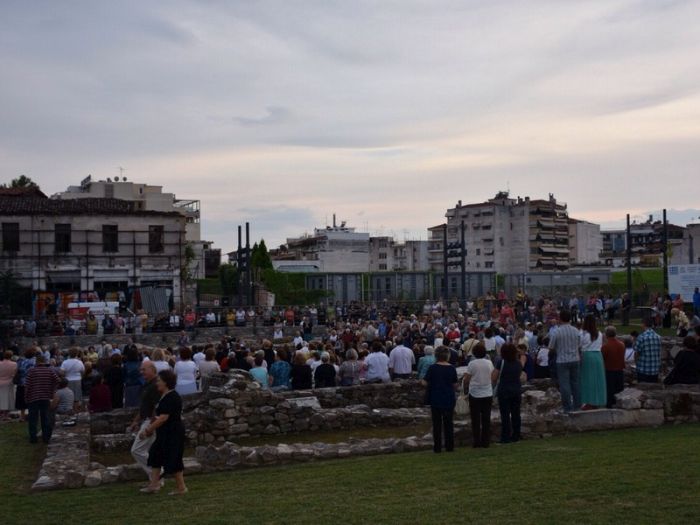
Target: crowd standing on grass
[[498, 343]]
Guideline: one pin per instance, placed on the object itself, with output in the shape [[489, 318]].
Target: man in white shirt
[[401, 361]]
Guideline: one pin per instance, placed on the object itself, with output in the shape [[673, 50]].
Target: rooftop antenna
[[121, 171]]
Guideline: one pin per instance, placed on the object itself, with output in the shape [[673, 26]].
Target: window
[[110, 238], [382, 255], [382, 266], [62, 238], [156, 237], [488, 264], [478, 251], [10, 236]]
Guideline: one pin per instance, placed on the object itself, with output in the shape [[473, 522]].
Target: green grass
[[653, 277], [637, 476], [636, 324]]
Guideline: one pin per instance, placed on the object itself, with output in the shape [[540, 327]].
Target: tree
[[260, 257], [228, 278], [22, 182]]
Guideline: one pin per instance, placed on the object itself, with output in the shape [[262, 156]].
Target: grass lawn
[[636, 476], [636, 324]]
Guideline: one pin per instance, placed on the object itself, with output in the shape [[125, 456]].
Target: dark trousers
[[509, 407], [480, 410], [401, 376], [39, 410], [443, 421], [646, 378], [615, 383]]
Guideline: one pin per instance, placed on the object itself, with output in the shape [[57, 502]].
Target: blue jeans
[[568, 378], [39, 409]]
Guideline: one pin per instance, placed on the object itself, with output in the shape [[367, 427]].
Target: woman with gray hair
[[425, 361], [349, 372]]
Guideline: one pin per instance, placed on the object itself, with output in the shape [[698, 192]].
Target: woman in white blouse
[[186, 371], [593, 390]]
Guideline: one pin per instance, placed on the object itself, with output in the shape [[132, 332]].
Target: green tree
[[228, 277], [22, 182], [260, 257]]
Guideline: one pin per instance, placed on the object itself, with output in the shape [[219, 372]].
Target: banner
[[683, 279]]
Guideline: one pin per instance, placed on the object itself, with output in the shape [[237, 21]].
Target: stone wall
[[163, 339]]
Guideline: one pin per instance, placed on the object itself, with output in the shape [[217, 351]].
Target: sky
[[386, 113]]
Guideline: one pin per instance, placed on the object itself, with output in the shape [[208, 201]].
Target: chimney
[[334, 220], [651, 218]]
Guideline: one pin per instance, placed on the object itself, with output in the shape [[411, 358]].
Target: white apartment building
[[386, 254], [585, 242], [506, 235], [332, 249]]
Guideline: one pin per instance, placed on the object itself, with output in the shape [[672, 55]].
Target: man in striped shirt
[[565, 341], [39, 389]]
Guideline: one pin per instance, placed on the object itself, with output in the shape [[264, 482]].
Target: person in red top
[[100, 396], [614, 358], [506, 314], [39, 389]]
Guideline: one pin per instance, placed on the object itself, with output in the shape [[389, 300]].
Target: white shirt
[[186, 372], [73, 369], [543, 356], [401, 360], [161, 365], [591, 346], [377, 366], [198, 357], [207, 368], [480, 372]]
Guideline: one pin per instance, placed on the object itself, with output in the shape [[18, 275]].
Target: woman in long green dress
[[593, 389]]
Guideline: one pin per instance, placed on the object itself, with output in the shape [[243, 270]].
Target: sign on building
[[683, 279]]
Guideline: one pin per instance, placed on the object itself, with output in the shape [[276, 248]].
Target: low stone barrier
[[67, 456], [239, 408]]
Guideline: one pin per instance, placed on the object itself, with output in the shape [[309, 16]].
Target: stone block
[[93, 478]]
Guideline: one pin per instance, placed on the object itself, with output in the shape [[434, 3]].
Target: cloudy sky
[[384, 112]]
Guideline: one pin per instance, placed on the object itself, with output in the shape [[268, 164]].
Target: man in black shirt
[[149, 400]]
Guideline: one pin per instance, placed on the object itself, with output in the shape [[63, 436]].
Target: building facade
[[647, 240], [585, 243], [94, 249], [331, 249], [386, 254], [506, 235], [149, 197]]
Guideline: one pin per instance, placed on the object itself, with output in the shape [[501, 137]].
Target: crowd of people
[[500, 344], [663, 309]]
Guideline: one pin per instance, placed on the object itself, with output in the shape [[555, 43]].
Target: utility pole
[[629, 258], [239, 260], [463, 264], [664, 239]]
